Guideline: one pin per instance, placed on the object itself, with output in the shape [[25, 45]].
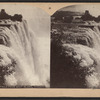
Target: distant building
[[76, 17]]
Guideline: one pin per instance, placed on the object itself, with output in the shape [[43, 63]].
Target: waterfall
[[77, 56], [19, 52], [87, 54]]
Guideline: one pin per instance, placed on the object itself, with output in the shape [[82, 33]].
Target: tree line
[[4, 15], [64, 16]]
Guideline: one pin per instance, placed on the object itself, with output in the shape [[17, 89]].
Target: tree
[[68, 19], [87, 16]]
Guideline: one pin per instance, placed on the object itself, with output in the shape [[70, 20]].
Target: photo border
[[49, 92]]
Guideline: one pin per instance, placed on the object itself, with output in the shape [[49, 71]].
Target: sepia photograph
[[24, 47], [75, 47], [49, 50]]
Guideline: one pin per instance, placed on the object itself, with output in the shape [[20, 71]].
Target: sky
[[94, 9], [26, 10], [38, 20]]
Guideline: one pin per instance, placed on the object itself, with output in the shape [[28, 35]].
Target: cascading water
[[77, 58], [19, 56]]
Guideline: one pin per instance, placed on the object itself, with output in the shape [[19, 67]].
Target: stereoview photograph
[[24, 47], [75, 47]]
